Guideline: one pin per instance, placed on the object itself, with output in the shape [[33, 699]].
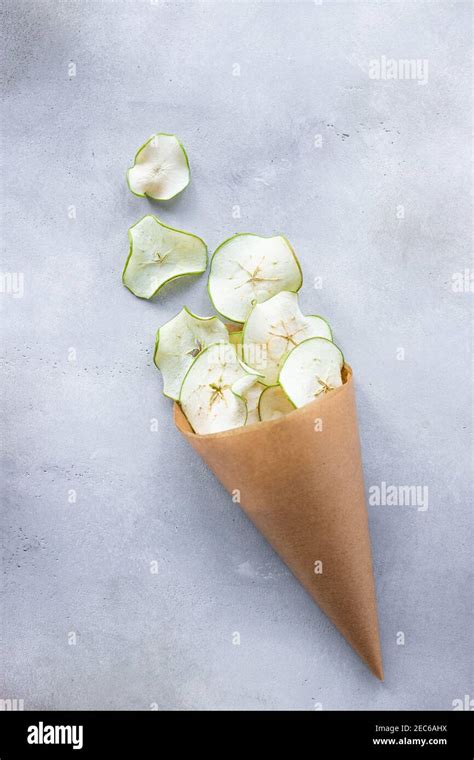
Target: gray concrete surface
[[369, 178]]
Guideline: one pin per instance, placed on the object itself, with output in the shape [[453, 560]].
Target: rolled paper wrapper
[[301, 483]]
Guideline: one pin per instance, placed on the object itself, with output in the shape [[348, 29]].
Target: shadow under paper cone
[[301, 483]]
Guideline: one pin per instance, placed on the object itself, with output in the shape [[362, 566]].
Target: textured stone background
[[143, 496]]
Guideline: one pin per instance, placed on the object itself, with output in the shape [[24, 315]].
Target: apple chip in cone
[[270, 408]]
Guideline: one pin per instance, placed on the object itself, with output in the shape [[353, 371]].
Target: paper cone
[[301, 483]]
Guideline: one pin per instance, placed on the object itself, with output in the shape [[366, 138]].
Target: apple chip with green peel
[[158, 254], [248, 268], [273, 328], [250, 370], [207, 397], [250, 389], [273, 403], [179, 341], [160, 169], [311, 369]]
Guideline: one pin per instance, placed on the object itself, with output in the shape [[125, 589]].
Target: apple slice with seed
[[179, 341], [247, 268], [207, 397], [273, 328], [158, 254], [160, 169], [311, 369], [273, 403]]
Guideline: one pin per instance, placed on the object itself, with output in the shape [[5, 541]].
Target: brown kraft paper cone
[[301, 483]]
